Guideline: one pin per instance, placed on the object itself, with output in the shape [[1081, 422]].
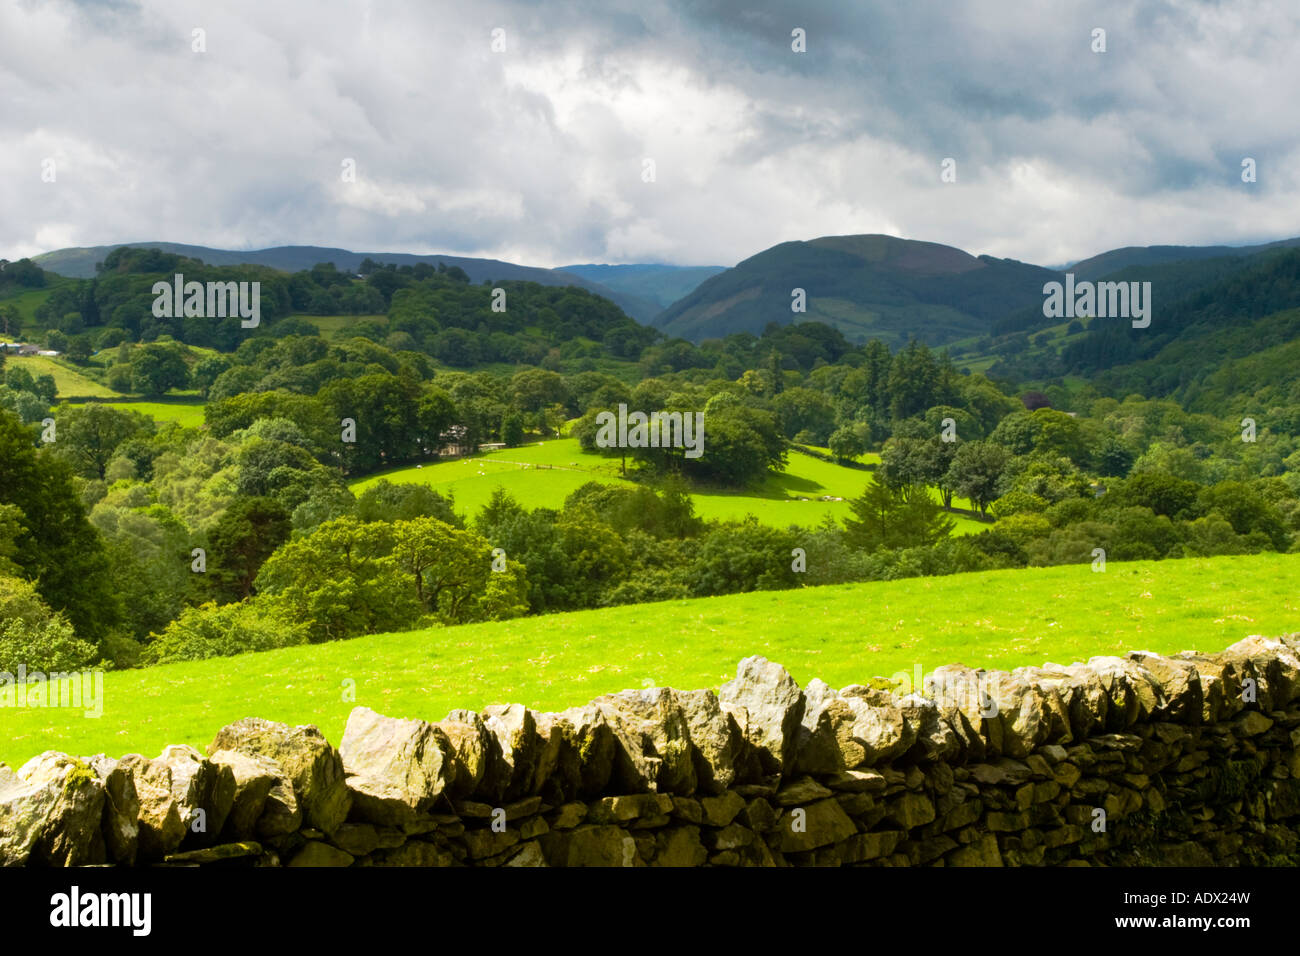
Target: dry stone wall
[[1141, 760]]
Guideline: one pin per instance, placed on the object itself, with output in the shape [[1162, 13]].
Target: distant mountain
[[1230, 344], [80, 263], [869, 286], [657, 284], [1114, 260]]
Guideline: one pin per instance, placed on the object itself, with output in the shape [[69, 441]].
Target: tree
[[89, 435], [976, 471], [385, 501], [11, 322], [453, 575], [512, 430], [913, 381], [803, 409], [58, 549], [923, 461], [155, 369], [899, 516], [536, 388], [847, 443], [245, 535]]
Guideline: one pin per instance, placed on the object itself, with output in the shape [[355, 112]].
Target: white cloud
[[536, 154]]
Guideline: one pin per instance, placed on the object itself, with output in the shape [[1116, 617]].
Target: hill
[[869, 286], [1113, 260], [80, 263], [1223, 335], [842, 634]]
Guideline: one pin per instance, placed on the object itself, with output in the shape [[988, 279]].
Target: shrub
[[47, 646], [213, 630]]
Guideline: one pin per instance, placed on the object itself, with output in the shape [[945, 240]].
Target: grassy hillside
[[792, 497], [68, 381], [842, 634]]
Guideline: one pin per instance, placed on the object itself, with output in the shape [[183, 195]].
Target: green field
[[792, 497], [27, 302], [842, 634], [188, 414], [69, 382]]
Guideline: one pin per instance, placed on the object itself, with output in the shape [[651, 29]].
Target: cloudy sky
[[536, 153]]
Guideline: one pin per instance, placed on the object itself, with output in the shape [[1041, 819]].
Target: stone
[[530, 854], [768, 707], [719, 748], [803, 790], [758, 815], [859, 727], [689, 809], [220, 853], [590, 845], [515, 728], [825, 823], [569, 816], [51, 812], [910, 810], [163, 823], [873, 845], [1274, 664], [732, 837], [23, 808], [1028, 706], [628, 808], [396, 768], [358, 839], [477, 766], [488, 842], [577, 754], [415, 853], [1180, 682], [1251, 724], [1003, 772], [198, 784], [1053, 753], [317, 854], [720, 811], [679, 846], [280, 812], [532, 827], [253, 777], [312, 767], [121, 824], [654, 741], [856, 781]]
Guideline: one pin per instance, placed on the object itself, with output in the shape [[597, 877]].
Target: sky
[[522, 130]]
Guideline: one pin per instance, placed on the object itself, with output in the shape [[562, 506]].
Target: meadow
[[68, 382], [842, 634], [543, 474], [186, 414]]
